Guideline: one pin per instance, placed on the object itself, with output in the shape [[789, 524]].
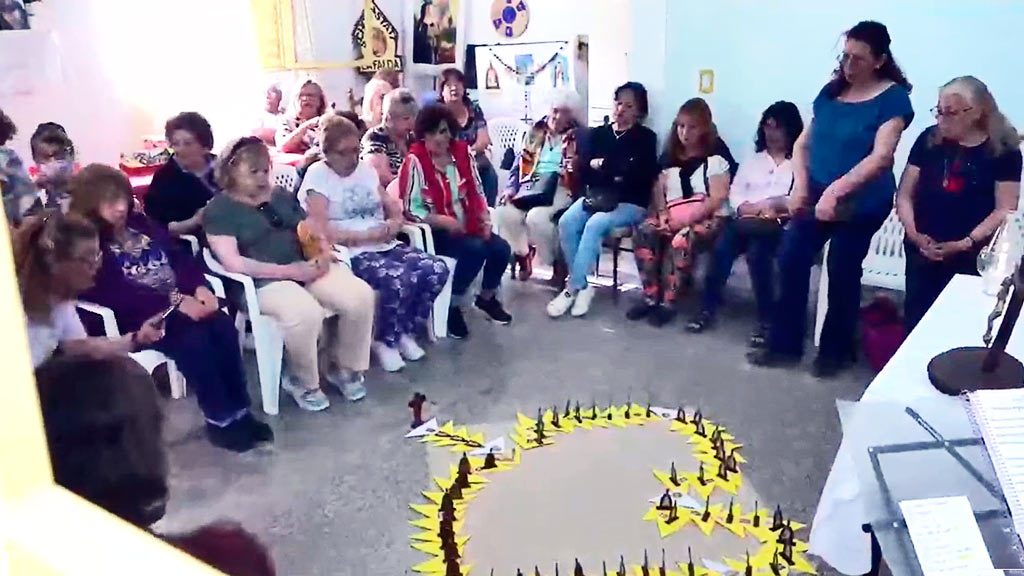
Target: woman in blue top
[[843, 192]]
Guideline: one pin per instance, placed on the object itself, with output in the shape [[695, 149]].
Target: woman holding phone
[[140, 275]]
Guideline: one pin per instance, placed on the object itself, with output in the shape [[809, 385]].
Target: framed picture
[[438, 40], [13, 15]]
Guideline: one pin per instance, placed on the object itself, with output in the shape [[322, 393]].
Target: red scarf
[[437, 193]]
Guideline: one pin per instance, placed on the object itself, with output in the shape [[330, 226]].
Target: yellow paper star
[[739, 566], [565, 425], [474, 441], [684, 428], [706, 526], [524, 421], [428, 510], [434, 548], [432, 566], [732, 485], [684, 570], [474, 478], [528, 441], [800, 563], [735, 526], [426, 537], [638, 570], [666, 480], [693, 483], [434, 524], [665, 529]]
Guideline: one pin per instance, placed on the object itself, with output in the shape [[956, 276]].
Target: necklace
[[619, 134]]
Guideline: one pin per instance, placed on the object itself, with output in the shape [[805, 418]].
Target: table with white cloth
[[958, 318]]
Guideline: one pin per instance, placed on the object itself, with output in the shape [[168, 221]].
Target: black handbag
[[600, 199], [542, 193]]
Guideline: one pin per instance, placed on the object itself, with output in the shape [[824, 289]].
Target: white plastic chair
[[285, 176], [149, 359], [505, 133], [885, 266]]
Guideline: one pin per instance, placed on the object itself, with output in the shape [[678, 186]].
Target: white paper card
[[497, 447], [426, 429], [946, 536]]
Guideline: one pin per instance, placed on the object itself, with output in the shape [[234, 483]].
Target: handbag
[[539, 192], [759, 226], [684, 209], [600, 199]]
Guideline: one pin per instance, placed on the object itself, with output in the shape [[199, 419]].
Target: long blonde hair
[[1002, 136]]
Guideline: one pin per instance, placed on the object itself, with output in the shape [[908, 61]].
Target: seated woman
[[619, 164], [182, 187], [270, 119], [540, 185], [961, 180], [382, 83], [299, 130], [386, 145], [472, 128], [344, 197], [252, 229], [141, 275], [16, 186], [688, 207], [759, 198], [54, 155], [440, 186]]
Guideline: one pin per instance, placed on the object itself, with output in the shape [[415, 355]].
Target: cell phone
[[166, 313]]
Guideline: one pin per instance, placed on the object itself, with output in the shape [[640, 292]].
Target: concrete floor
[[331, 496]]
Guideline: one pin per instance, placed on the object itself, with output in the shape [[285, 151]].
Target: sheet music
[[1000, 418], [946, 536]]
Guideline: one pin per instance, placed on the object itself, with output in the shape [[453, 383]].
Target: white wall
[[129, 64], [786, 49]]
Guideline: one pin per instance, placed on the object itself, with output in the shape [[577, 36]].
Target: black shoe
[[765, 358], [661, 315], [828, 366], [457, 324], [235, 437], [641, 310], [700, 323], [492, 307], [759, 338], [259, 430]]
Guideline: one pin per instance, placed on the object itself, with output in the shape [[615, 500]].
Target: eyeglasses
[[268, 212], [240, 144], [951, 114], [851, 58]]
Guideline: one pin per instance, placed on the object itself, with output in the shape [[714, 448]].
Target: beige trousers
[[300, 312], [522, 229]]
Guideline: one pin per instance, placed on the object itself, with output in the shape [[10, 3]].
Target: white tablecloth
[[956, 319]]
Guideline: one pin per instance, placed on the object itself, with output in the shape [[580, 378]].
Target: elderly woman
[[472, 128], [54, 155], [842, 167], [253, 229], [383, 82], [618, 163], [344, 197], [961, 180], [270, 119], [182, 187], [386, 145], [299, 129], [16, 186], [540, 185], [142, 275], [440, 186]]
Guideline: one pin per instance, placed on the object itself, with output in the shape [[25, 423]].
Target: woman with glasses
[[141, 275], [842, 191], [253, 229], [182, 187], [344, 197], [440, 186], [299, 130], [960, 182]]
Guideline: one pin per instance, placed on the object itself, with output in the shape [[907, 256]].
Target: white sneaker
[[310, 400], [582, 304], [409, 349], [561, 304], [389, 358]]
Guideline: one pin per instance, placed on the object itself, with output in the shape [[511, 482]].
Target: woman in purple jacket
[[143, 274]]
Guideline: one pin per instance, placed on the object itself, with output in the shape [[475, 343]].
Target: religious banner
[[375, 40], [438, 38], [519, 80]]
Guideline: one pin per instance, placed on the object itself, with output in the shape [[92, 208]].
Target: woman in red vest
[[440, 185]]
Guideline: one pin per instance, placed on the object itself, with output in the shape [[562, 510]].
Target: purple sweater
[[132, 301]]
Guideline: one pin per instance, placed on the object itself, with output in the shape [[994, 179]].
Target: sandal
[[700, 323]]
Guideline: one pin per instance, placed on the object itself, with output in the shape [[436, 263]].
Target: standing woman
[[299, 127], [842, 167], [472, 128], [619, 165], [961, 180]]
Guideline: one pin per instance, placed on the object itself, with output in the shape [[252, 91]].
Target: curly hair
[[246, 149], [876, 36], [787, 116], [51, 134], [41, 242], [195, 124], [103, 427], [430, 118], [7, 128]]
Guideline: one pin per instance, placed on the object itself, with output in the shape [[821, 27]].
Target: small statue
[[445, 531], [593, 411], [700, 475], [786, 533], [699, 429], [730, 463], [730, 517], [749, 570], [691, 569], [554, 417], [578, 569], [579, 418], [673, 477], [536, 570], [720, 454], [629, 409], [416, 405], [716, 435], [490, 462], [673, 514], [464, 466], [451, 552], [622, 567], [756, 522], [604, 568], [649, 414], [568, 412], [666, 503], [452, 569], [646, 568], [447, 508], [774, 566], [722, 472], [662, 571], [777, 523], [556, 568], [707, 510], [461, 479], [698, 417], [539, 432], [787, 551], [455, 491], [680, 415], [611, 414], [519, 572]]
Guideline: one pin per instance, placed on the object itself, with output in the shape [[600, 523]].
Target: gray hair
[[567, 100], [1002, 135], [399, 101]]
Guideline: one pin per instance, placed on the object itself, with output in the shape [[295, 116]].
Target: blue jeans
[[802, 240], [471, 254], [760, 251], [582, 233]]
